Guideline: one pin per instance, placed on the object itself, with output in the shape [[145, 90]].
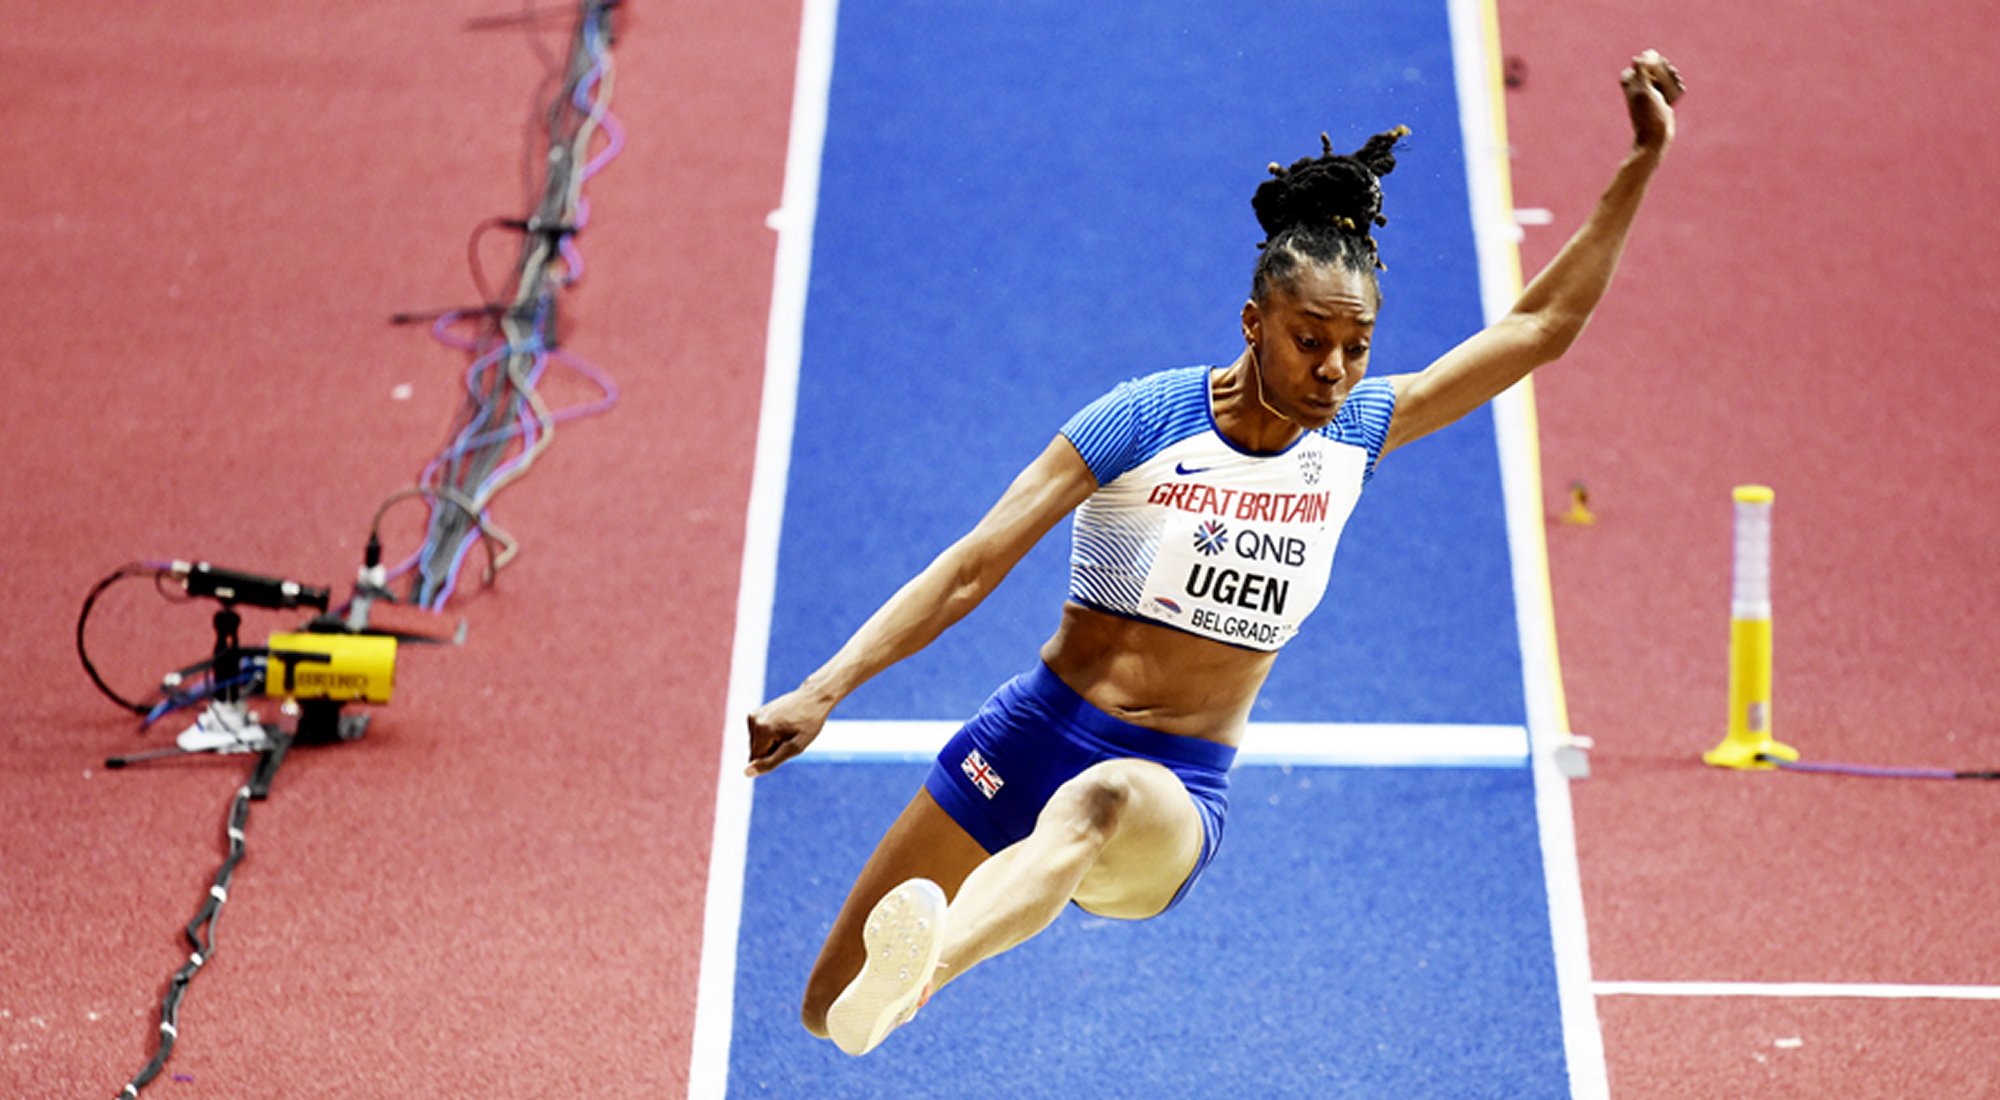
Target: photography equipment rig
[[312, 672]]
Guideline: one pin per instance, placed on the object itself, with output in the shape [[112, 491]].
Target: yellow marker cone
[[1579, 514], [1749, 743]]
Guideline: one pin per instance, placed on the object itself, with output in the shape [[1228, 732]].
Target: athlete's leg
[[1119, 839], [923, 843]]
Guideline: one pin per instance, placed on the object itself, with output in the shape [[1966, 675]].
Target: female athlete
[[1099, 776]]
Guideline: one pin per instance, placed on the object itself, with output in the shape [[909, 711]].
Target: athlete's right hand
[[781, 729], [1652, 86]]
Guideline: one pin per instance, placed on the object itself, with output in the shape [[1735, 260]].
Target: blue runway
[[1020, 205], [1364, 933]]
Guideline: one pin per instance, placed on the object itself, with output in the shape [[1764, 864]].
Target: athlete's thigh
[[1157, 844], [924, 842]]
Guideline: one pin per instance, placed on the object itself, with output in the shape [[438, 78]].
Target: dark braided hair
[[1324, 209]]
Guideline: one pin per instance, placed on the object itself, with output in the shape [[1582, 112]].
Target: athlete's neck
[[1243, 414]]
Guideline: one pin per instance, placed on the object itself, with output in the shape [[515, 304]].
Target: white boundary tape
[[1475, 33], [1301, 744], [1876, 991]]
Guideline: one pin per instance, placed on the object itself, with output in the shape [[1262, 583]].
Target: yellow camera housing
[[340, 667]]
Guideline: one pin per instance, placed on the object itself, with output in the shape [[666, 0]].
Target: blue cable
[[501, 416], [208, 690]]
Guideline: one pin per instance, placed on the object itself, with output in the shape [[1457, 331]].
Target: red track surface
[[1802, 305], [498, 892], [214, 209]]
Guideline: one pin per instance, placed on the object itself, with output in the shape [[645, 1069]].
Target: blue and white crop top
[[1188, 530]]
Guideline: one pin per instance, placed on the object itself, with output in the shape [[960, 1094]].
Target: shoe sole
[[904, 936]]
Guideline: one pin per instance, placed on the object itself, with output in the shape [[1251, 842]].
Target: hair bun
[[1338, 191]]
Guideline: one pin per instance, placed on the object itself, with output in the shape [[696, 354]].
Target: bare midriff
[[1155, 676]]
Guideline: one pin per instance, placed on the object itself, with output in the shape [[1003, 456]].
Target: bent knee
[[1098, 799]]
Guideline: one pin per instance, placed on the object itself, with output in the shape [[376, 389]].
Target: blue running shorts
[[995, 775]]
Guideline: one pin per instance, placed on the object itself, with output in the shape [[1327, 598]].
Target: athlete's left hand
[[1652, 86], [781, 729]]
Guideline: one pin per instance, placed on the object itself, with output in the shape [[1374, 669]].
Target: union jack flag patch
[[981, 773]]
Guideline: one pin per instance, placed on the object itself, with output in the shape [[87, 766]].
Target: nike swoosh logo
[[1184, 471]]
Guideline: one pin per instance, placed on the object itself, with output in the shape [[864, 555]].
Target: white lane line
[[1475, 33], [1297, 744], [715, 996]]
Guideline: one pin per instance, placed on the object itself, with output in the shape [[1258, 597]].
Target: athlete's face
[[1311, 335]]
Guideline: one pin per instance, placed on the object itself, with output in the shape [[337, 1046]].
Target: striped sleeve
[[1106, 431], [1363, 419], [1139, 418]]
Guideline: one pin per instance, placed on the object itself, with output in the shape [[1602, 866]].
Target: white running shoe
[[904, 935]]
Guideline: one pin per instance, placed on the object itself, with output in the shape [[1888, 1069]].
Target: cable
[[472, 256], [1874, 771], [505, 424], [132, 569], [200, 934], [490, 533], [208, 690]]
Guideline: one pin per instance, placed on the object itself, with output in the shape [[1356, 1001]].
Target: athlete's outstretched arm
[[1554, 308], [947, 589]]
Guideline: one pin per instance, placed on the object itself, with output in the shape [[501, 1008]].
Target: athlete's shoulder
[[1173, 383], [1370, 401], [1138, 418], [1363, 419]]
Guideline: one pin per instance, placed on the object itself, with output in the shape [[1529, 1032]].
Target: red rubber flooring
[[498, 891], [1800, 306], [215, 209]]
